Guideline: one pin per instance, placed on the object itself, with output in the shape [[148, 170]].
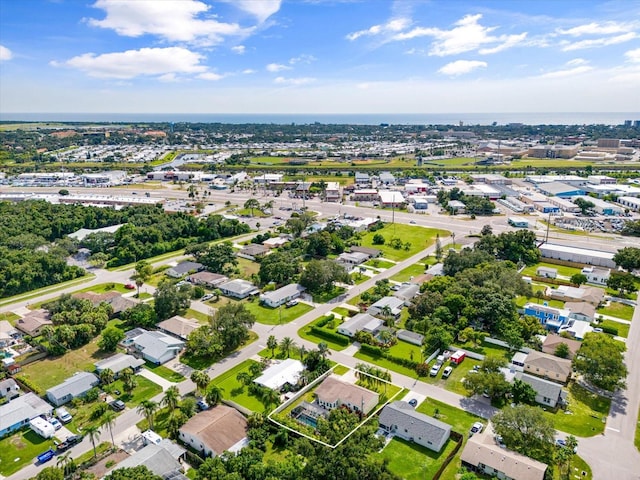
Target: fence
[[240, 408], [458, 439]]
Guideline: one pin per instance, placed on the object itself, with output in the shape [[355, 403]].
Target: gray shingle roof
[[418, 425], [156, 344], [76, 385], [543, 387], [118, 362], [23, 408], [160, 459]]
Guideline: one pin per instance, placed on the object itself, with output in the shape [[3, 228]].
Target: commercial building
[[553, 151], [559, 189], [631, 203], [602, 207], [518, 222], [333, 192], [391, 199], [577, 255]]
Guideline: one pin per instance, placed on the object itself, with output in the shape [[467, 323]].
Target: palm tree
[[107, 376], [66, 463], [272, 344], [174, 422], [286, 344], [109, 421], [142, 273], [148, 408], [269, 397], [386, 313], [302, 351], [171, 397], [323, 350], [244, 378], [201, 379], [252, 204], [213, 395], [127, 377], [539, 295], [93, 433]]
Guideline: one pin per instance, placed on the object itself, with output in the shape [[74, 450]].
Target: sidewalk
[[155, 378]]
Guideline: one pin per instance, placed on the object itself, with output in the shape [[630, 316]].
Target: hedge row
[[332, 336]]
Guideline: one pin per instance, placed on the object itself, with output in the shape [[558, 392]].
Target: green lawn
[[378, 263], [197, 315], [411, 461], [623, 328], [459, 420], [51, 371], [408, 273], [386, 364], [277, 316], [343, 312], [105, 287], [587, 409], [324, 297], [201, 363], [419, 237], [305, 333], [145, 390], [247, 267], [341, 370], [406, 350], [235, 391], [20, 449], [9, 317], [101, 448], [357, 278], [164, 372], [454, 382], [562, 270], [618, 310]]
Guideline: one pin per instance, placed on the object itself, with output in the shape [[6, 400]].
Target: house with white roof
[[118, 362], [73, 387], [282, 373], [238, 288], [394, 305], [282, 295], [401, 420], [157, 347], [596, 275], [360, 322], [18, 412]]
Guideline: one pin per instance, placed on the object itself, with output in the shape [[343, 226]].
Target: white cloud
[[392, 26], [633, 56], [239, 49], [576, 62], [294, 81], [569, 72], [210, 76], [277, 67], [5, 54], [597, 42], [248, 71], [134, 63], [168, 78], [261, 9], [460, 67], [173, 20], [467, 35], [304, 58], [594, 28]]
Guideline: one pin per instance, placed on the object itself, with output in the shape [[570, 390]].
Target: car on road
[[63, 415], [446, 372], [117, 405], [413, 402], [68, 443], [476, 428], [435, 369], [412, 222]]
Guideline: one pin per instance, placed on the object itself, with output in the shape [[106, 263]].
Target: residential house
[[181, 269], [215, 431], [33, 323], [517, 361], [410, 337], [178, 326], [275, 242], [162, 458], [9, 389], [549, 394], [582, 311], [157, 347], [401, 420], [551, 343], [407, 292], [576, 328], [547, 272], [73, 387], [286, 372], [483, 455], [8, 334], [551, 317], [253, 251], [333, 393], [436, 270], [118, 362], [393, 304], [596, 275], [360, 322], [352, 259], [592, 295], [238, 288], [207, 279], [282, 295], [118, 303], [372, 252], [548, 366], [18, 412]]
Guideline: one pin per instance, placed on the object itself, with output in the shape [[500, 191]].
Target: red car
[[130, 286]]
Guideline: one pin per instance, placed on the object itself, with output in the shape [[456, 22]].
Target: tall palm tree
[[171, 397], [244, 378], [64, 462], [109, 421], [201, 380], [213, 395], [93, 433], [107, 376], [148, 408], [323, 349], [174, 422], [142, 273], [269, 397], [286, 344], [302, 351], [272, 344], [126, 375]]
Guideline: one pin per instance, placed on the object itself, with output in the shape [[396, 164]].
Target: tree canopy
[[601, 362]]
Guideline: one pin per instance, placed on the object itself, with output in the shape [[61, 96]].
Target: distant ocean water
[[539, 118]]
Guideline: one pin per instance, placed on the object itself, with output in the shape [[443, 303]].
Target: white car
[[476, 428], [63, 415], [435, 369], [55, 422], [446, 372]]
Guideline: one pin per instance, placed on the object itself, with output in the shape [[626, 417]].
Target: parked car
[[202, 405], [446, 372], [55, 422], [412, 222], [117, 405], [68, 443], [46, 456], [435, 369], [498, 439], [291, 303], [208, 296], [63, 415], [476, 428], [561, 442], [130, 286], [413, 402]]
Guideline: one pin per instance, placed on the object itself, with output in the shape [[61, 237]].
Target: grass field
[[164, 372], [145, 390], [9, 317], [411, 461], [20, 449], [618, 310], [277, 316], [408, 273], [623, 328], [378, 263], [386, 364], [51, 371], [587, 409], [201, 363], [459, 420], [233, 390], [562, 270], [247, 267], [197, 315], [419, 237], [305, 333]]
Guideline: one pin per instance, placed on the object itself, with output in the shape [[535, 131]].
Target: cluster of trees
[[228, 328], [517, 247], [75, 322], [489, 380], [320, 275], [473, 205]]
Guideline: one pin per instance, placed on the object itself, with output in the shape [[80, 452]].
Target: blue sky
[[319, 56]]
